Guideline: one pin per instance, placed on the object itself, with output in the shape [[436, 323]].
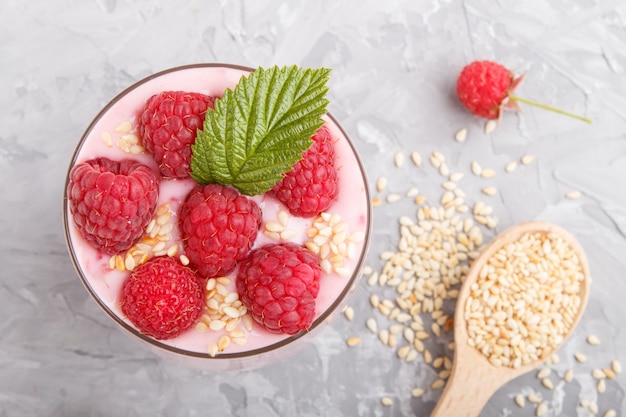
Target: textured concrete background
[[392, 87]]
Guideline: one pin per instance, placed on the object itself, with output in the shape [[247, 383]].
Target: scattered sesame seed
[[580, 357], [438, 384], [392, 198], [593, 340], [412, 192], [598, 374], [349, 313], [381, 184], [456, 176], [541, 409], [416, 158], [489, 190], [398, 159], [353, 341], [520, 401], [601, 387], [420, 199], [372, 325], [546, 382], [461, 135], [527, 159], [490, 126], [386, 401], [417, 392], [488, 173], [476, 168], [510, 167], [616, 366], [544, 373], [573, 195]]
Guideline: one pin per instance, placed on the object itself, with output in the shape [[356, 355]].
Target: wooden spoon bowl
[[474, 379]]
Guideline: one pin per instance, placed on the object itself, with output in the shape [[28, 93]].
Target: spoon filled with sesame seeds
[[521, 299]]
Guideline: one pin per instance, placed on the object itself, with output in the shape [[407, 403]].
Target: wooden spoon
[[474, 379]]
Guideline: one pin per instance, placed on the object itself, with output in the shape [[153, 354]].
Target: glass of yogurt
[[245, 344]]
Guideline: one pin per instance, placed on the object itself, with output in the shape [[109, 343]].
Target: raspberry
[[483, 86], [218, 227], [486, 87], [168, 125], [112, 202], [162, 298], [311, 186], [278, 284]]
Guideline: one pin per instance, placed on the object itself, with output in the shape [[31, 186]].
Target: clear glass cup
[[110, 134]]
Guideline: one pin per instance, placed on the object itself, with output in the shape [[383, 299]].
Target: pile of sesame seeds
[[127, 139], [225, 313], [525, 300], [405, 321]]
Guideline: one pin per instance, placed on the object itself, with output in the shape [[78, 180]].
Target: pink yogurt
[[104, 284]]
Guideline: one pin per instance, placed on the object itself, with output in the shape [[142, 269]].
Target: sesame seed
[[444, 170], [510, 167], [489, 190], [461, 135], [616, 366], [598, 374], [527, 159], [541, 409], [490, 126], [412, 192], [381, 184], [123, 127], [372, 325], [569, 375], [543, 373], [601, 387], [416, 158], [349, 313], [106, 137], [438, 384], [476, 168], [417, 392], [572, 195], [353, 341], [392, 198], [456, 176], [213, 349], [398, 159], [593, 340], [546, 382], [519, 400], [580, 357], [488, 173], [610, 413], [386, 401]]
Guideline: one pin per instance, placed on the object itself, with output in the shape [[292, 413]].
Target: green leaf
[[258, 131]]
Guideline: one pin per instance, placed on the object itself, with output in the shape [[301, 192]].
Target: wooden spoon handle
[[471, 384]]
